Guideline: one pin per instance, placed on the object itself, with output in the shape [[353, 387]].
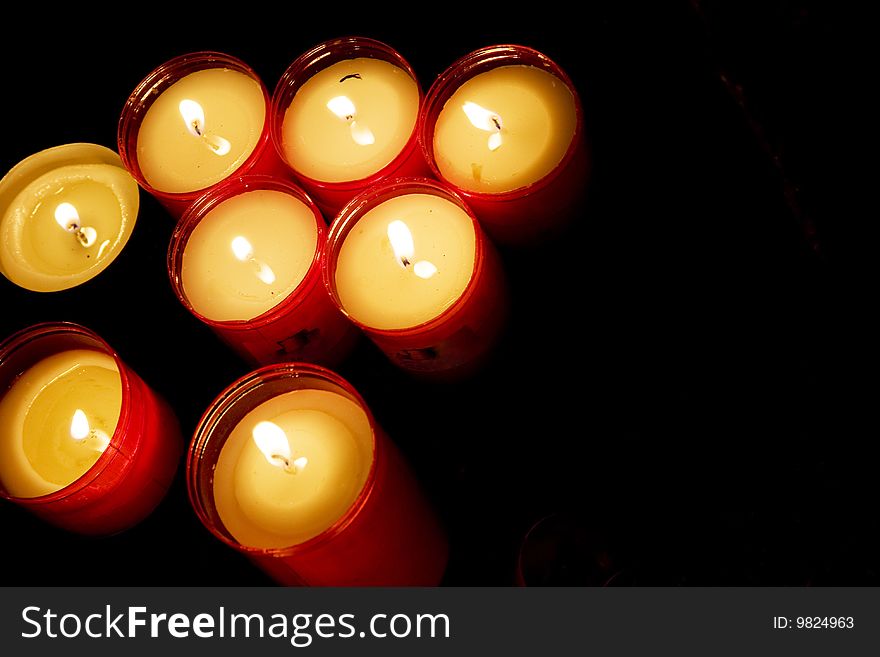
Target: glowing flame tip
[[272, 442], [79, 425]]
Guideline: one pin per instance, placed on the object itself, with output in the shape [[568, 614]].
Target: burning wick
[[487, 120], [344, 108], [244, 251], [401, 240], [194, 118], [68, 218], [272, 442], [80, 430]]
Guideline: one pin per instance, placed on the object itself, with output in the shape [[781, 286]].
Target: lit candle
[[245, 259], [504, 129], [408, 260], [65, 215], [345, 117], [56, 420], [292, 467], [194, 122], [289, 467], [84, 443], [409, 264], [247, 254], [503, 125]]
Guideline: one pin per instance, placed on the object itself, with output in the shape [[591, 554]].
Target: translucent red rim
[[64, 335]]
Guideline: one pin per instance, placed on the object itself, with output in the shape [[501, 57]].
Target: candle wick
[[356, 76], [496, 122], [196, 128], [288, 466], [405, 261]]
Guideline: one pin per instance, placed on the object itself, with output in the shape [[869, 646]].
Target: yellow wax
[[339, 127], [318, 454], [65, 214], [406, 261], [200, 130], [248, 254], [504, 129], [56, 420]]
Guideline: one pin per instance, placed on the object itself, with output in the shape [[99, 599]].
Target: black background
[[681, 371]]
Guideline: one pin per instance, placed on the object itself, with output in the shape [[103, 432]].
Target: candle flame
[[272, 442], [242, 248], [79, 425], [87, 236], [194, 118], [67, 216], [424, 269], [342, 107], [484, 119], [265, 273], [362, 135], [401, 240]]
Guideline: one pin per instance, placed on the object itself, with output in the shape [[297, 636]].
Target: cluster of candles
[[287, 465]]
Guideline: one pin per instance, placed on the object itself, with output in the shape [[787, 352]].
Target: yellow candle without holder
[[65, 214]]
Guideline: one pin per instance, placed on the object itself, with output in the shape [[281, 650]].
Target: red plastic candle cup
[[344, 117], [504, 126], [245, 259], [562, 550], [289, 467], [61, 387], [409, 264], [194, 122]]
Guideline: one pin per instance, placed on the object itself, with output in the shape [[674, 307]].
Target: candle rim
[[12, 226], [469, 66], [217, 412], [203, 206], [151, 87], [316, 59], [27, 336], [32, 173], [355, 209]]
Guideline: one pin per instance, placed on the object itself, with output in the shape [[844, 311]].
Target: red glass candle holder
[[331, 196], [133, 474], [389, 536], [262, 160], [561, 549], [456, 343], [305, 326], [538, 210]]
